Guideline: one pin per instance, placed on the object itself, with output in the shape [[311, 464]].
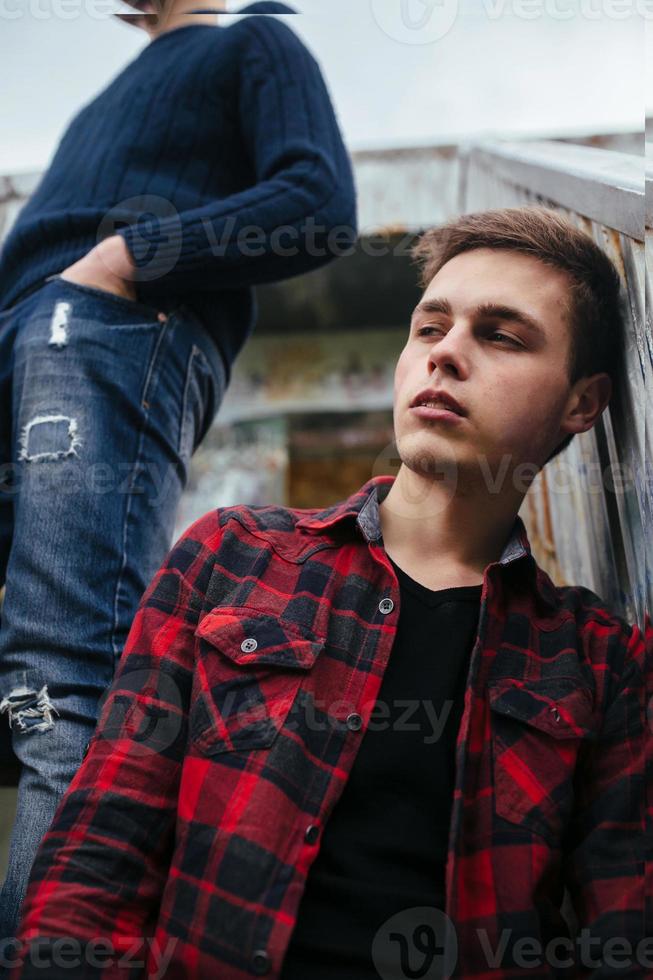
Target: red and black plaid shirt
[[182, 846]]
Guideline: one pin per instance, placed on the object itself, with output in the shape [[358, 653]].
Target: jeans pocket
[[132, 306]]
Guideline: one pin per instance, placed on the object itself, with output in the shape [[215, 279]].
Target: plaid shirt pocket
[[538, 729], [251, 666]]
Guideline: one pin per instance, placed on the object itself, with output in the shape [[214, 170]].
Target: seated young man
[[375, 739]]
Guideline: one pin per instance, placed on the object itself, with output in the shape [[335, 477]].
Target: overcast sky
[[401, 72]]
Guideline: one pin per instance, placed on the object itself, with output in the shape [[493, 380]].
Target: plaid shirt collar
[[363, 507]]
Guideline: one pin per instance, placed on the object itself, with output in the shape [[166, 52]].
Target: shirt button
[[249, 645], [260, 961], [354, 722], [386, 606], [311, 833]]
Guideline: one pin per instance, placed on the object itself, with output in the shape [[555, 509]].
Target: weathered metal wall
[[406, 188], [14, 191], [589, 510]]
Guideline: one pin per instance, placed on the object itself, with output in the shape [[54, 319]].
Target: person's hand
[[108, 266]]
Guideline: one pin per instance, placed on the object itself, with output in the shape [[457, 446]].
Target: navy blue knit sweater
[[217, 154]]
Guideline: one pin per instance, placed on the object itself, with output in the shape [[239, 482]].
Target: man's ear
[[587, 400]]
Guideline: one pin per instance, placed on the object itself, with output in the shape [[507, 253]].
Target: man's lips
[[439, 413], [437, 398]]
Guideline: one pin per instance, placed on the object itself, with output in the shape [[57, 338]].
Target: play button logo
[[415, 21]]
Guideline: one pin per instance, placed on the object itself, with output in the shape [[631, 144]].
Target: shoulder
[[615, 648], [586, 606], [220, 528], [595, 619], [269, 37], [264, 519]]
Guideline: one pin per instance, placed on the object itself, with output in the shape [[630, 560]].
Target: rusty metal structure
[[589, 510], [14, 191]]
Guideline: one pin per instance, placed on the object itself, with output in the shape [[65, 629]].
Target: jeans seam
[[195, 352], [154, 360]]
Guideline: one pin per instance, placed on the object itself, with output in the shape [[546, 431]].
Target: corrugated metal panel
[[589, 511], [406, 189], [581, 530], [415, 187], [600, 184]]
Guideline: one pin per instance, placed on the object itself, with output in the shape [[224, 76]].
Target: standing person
[[374, 739], [212, 162]]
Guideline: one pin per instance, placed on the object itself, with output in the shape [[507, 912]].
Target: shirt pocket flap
[[560, 707], [247, 637], [246, 679]]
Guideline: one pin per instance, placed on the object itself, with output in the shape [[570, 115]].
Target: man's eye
[[495, 333], [511, 340]]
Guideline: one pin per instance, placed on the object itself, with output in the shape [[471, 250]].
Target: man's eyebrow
[[433, 306], [511, 315], [497, 311]]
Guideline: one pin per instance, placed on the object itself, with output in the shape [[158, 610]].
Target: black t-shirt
[[384, 847]]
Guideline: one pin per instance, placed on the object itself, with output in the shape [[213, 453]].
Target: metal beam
[[603, 185], [649, 185]]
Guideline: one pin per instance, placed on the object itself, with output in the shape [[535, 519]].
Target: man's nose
[[448, 352]]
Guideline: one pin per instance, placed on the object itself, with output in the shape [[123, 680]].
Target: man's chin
[[426, 460]]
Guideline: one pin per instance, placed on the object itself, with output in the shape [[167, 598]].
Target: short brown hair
[[594, 309], [156, 10]]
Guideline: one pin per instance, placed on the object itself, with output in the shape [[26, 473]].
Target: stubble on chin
[[423, 459]]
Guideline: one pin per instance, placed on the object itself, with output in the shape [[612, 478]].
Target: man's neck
[[447, 530]]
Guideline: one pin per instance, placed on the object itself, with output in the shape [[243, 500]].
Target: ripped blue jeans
[[102, 403]]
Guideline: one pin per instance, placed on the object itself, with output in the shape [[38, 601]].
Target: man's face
[[491, 330]]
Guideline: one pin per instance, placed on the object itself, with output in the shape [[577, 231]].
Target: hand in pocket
[[108, 266]]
